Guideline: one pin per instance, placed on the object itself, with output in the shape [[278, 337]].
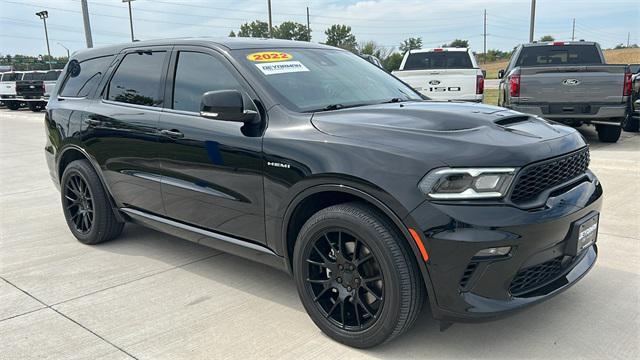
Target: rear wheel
[[357, 280], [13, 105], [36, 106], [609, 133], [86, 206], [631, 123]]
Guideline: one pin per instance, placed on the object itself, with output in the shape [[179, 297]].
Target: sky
[[387, 22]]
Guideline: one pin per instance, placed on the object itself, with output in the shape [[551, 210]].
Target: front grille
[[536, 276], [538, 177]]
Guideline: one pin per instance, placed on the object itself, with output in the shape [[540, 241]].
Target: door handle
[[174, 134], [93, 122]]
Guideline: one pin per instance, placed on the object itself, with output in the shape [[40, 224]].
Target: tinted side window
[[52, 75], [81, 83], [137, 79], [10, 77], [197, 73]]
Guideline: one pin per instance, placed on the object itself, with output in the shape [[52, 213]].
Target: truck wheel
[[609, 133], [86, 206], [357, 279], [631, 123], [13, 105], [36, 106]]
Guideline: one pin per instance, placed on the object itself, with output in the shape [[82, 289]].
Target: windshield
[[438, 60], [308, 80], [559, 55], [33, 76]]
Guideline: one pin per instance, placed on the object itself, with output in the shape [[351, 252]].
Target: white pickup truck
[[443, 74]]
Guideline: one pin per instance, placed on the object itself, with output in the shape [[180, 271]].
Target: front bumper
[[465, 289]]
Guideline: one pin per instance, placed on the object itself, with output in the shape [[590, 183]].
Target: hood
[[458, 134]]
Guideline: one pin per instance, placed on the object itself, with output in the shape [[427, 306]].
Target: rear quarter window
[[438, 60], [137, 79], [82, 83]]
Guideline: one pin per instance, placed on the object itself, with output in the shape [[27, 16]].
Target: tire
[[86, 206], [36, 106], [609, 133], [13, 105], [379, 289], [631, 123]]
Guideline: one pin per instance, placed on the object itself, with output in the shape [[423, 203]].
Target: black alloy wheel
[[86, 206], [356, 275], [79, 203], [345, 279]]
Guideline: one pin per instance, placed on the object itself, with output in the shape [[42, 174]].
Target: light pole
[[66, 48], [44, 15], [130, 18]]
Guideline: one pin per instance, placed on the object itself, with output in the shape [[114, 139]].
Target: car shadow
[[491, 339]]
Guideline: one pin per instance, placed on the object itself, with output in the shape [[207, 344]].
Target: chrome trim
[[210, 234]]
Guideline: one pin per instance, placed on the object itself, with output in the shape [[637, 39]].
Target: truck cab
[[443, 74]]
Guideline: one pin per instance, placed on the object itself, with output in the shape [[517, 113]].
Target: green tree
[[411, 44], [547, 38], [341, 36], [259, 29], [291, 30], [393, 61], [232, 34], [457, 43], [372, 48]]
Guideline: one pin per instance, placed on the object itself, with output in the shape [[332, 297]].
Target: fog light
[[495, 251]]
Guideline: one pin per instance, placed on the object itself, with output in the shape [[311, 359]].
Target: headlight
[[467, 183]]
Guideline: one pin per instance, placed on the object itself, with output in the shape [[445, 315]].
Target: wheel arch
[[297, 214], [72, 152]]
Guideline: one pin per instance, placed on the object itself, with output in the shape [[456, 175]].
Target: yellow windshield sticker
[[265, 56]]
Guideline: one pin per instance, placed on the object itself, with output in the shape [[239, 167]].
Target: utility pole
[[533, 20], [573, 31], [309, 28], [87, 25], [68, 52], [485, 37], [628, 38], [130, 18], [44, 15], [270, 22]]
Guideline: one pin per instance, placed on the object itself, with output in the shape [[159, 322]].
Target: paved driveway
[[148, 295]]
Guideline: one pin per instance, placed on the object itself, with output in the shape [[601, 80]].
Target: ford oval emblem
[[434, 82], [571, 82]]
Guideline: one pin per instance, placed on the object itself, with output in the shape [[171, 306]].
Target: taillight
[[626, 88], [514, 85], [479, 84]]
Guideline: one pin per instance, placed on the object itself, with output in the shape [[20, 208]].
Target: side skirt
[[207, 238]]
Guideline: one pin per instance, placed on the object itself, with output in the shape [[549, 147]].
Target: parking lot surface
[[148, 295]]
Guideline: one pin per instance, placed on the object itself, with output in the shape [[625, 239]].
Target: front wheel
[[608, 133], [356, 277]]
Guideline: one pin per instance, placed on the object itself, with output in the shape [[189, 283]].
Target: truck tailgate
[[445, 84], [572, 84]]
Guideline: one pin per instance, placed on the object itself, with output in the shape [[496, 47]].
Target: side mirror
[[500, 74], [226, 105]]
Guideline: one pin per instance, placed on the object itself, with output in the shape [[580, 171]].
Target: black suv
[[310, 159]]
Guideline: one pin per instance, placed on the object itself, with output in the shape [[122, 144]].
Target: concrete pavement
[[148, 295]]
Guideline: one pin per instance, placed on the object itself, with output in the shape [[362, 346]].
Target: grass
[[613, 56], [490, 96]]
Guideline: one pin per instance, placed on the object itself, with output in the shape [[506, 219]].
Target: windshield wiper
[[337, 106]]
